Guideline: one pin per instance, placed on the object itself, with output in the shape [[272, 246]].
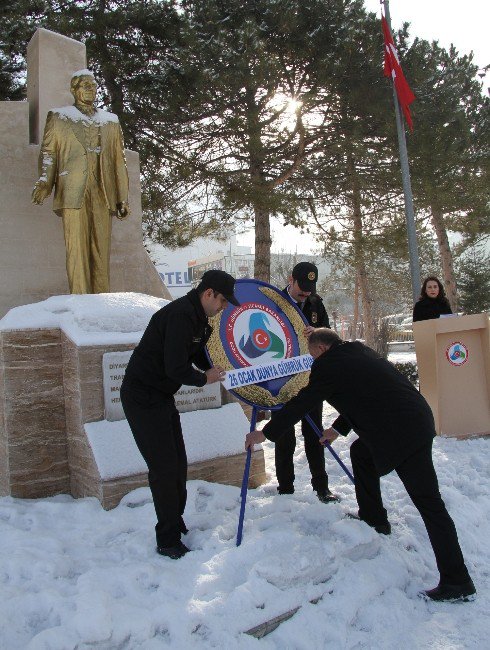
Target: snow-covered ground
[[73, 576], [402, 357]]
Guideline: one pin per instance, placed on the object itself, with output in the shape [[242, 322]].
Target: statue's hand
[[40, 192], [122, 210]]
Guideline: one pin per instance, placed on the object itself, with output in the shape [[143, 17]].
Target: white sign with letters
[[196, 398], [266, 371]]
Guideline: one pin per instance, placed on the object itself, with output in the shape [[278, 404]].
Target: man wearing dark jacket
[[302, 291], [173, 341], [396, 430]]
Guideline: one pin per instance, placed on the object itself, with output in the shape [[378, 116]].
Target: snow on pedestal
[[91, 319], [208, 434]]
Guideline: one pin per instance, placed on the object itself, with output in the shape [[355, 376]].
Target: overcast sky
[[466, 24]]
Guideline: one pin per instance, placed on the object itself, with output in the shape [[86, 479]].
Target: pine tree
[[224, 100], [448, 149], [251, 102], [353, 195], [474, 281]]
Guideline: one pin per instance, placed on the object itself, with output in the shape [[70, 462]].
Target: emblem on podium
[[457, 353]]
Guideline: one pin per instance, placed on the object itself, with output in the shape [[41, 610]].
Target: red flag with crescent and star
[[393, 69]]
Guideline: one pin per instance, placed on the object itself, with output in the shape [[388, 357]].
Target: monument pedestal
[[55, 435], [453, 358]]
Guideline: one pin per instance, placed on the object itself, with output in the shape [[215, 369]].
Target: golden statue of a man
[[82, 157]]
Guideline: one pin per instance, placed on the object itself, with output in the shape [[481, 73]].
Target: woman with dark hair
[[432, 302]]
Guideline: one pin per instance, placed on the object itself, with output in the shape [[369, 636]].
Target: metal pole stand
[[329, 447], [246, 473]]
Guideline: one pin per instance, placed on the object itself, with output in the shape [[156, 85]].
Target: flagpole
[[407, 186]]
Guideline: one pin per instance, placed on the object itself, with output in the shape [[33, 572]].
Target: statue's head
[[83, 87]]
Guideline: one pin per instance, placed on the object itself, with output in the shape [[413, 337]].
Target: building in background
[[182, 269], [179, 268], [238, 263]]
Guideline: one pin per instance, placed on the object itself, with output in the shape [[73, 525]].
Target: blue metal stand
[[329, 447], [246, 473]]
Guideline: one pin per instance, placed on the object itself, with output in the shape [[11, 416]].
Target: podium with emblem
[[453, 358]]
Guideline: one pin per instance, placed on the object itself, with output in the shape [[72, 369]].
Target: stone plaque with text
[[195, 398], [188, 398]]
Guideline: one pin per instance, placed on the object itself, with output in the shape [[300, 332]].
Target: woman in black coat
[[432, 302]]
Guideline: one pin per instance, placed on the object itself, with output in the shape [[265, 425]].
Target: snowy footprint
[[203, 496], [356, 540], [314, 564], [137, 498]]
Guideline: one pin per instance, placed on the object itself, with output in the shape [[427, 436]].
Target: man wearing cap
[[302, 291], [173, 341]]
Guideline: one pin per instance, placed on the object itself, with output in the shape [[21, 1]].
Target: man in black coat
[[173, 341], [396, 430], [302, 291]]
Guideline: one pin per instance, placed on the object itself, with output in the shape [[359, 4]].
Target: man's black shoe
[[452, 593], [173, 552], [285, 490], [382, 529], [325, 496]]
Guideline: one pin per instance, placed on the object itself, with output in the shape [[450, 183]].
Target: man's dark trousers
[[315, 455], [155, 423], [420, 480]]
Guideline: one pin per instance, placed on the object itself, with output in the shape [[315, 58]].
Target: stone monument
[[60, 425], [32, 248]]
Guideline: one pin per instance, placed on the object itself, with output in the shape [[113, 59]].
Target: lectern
[[453, 358]]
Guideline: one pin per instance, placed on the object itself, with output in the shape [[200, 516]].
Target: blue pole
[[329, 447], [243, 493]]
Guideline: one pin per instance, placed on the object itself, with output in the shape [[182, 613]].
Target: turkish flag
[[393, 69]]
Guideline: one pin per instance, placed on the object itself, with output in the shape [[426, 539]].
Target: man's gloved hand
[[329, 435]]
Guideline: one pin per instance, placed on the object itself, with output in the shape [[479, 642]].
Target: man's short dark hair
[[324, 335], [220, 282], [201, 288]]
